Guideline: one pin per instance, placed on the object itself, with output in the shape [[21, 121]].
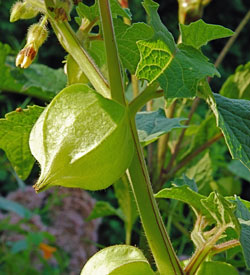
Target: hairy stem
[[159, 242], [202, 252], [160, 245]]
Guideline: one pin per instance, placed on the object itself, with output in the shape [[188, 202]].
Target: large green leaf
[[14, 138], [214, 208], [199, 33], [233, 118], [178, 69], [118, 260], [81, 140], [238, 84], [126, 37], [186, 194], [178, 73], [38, 80], [215, 267], [152, 125]]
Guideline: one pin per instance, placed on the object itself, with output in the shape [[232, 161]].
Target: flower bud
[[22, 10], [36, 36]]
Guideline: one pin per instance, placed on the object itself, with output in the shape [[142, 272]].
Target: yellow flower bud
[[22, 10], [36, 36]]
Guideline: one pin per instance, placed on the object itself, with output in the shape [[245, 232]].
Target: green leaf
[[126, 37], [238, 169], [186, 181], [232, 117], [199, 33], [42, 79], [178, 69], [215, 267], [19, 246], [103, 209], [38, 80], [160, 30], [238, 84], [80, 132], [15, 207], [92, 12], [243, 215], [118, 260], [14, 138], [215, 208], [178, 73], [152, 125], [185, 194]]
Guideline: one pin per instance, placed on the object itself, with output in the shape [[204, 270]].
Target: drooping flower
[[36, 36]]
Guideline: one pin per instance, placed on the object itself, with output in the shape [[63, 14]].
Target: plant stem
[[72, 45], [149, 93], [202, 252], [114, 69], [232, 40], [161, 247], [224, 246], [135, 85], [163, 141]]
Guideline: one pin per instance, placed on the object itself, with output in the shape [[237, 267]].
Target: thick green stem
[[159, 242], [149, 93], [72, 45], [160, 245], [114, 69]]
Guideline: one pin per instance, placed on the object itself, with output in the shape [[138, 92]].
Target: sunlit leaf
[[200, 33]]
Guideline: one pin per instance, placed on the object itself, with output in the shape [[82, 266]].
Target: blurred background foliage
[[221, 174]]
